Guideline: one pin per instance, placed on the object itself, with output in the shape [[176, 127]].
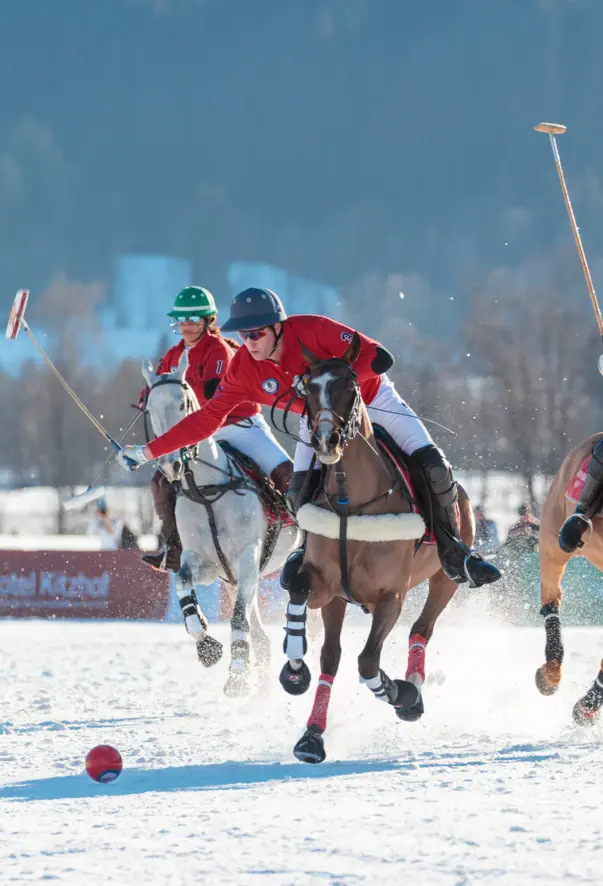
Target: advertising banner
[[81, 584]]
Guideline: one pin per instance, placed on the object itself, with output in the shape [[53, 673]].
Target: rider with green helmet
[[193, 317]]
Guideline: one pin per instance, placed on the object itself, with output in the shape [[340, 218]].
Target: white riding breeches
[[255, 440], [389, 410]]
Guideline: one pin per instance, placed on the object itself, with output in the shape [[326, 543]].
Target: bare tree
[[532, 346]]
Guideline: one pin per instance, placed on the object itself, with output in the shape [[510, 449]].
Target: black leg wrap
[[386, 689], [586, 710], [291, 580], [553, 649], [188, 604], [297, 631]]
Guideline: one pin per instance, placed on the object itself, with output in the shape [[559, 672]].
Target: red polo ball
[[104, 763]]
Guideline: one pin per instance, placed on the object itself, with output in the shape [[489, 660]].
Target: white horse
[[240, 529]]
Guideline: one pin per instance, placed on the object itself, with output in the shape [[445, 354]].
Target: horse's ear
[[352, 352], [182, 364], [310, 358], [148, 372]]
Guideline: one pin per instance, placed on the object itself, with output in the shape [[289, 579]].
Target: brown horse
[[362, 548], [553, 561]]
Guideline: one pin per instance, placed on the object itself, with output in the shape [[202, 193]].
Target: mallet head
[[550, 128], [16, 314]]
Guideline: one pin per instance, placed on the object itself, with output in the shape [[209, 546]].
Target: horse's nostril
[[334, 438], [177, 466]]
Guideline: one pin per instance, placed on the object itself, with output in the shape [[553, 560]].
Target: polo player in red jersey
[[209, 355], [267, 371]]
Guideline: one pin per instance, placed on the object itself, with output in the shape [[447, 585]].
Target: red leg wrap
[[318, 717], [416, 656]]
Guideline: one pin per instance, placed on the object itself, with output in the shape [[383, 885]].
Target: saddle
[[273, 501], [410, 477]]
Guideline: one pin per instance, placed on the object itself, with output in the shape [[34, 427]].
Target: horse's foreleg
[[588, 708], [295, 674], [209, 650], [238, 678], [441, 592], [385, 616], [310, 747], [552, 567]]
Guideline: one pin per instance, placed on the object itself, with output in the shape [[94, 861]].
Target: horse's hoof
[[209, 651], [295, 682], [237, 684], [409, 702], [583, 716], [310, 748], [543, 682]]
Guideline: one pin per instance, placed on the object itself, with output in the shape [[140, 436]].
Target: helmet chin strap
[[277, 338], [202, 333]]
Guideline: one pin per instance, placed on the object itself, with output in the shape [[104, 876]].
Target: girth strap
[[208, 496], [343, 509]]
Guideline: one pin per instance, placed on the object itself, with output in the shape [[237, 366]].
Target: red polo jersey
[[208, 360], [264, 381]]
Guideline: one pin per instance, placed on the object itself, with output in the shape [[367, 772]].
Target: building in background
[[134, 324], [300, 296], [135, 320]]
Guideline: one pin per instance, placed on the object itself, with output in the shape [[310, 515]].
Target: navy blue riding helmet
[[254, 308]]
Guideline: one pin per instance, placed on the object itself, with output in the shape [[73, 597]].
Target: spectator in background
[[523, 535], [108, 528], [486, 531]]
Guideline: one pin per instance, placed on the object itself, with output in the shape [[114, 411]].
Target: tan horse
[[373, 564], [553, 561]]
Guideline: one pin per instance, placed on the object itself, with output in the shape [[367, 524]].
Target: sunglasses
[[193, 319], [253, 334]]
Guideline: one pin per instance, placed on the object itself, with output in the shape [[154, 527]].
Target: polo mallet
[[94, 491], [16, 321], [553, 129]]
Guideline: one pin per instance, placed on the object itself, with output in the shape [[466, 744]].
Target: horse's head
[[333, 402], [170, 399]]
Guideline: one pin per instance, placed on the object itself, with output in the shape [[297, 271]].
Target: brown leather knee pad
[[281, 475], [164, 498]]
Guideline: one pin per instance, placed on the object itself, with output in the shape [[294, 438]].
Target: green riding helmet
[[194, 301]]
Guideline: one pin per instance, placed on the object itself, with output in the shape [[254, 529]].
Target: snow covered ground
[[494, 785]]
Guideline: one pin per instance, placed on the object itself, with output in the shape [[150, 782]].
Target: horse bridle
[[164, 380], [345, 428]]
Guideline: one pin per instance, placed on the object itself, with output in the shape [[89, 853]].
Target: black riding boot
[[459, 562], [164, 498], [570, 534], [294, 502]]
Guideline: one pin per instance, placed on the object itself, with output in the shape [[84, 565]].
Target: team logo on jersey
[[270, 385], [347, 337]]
